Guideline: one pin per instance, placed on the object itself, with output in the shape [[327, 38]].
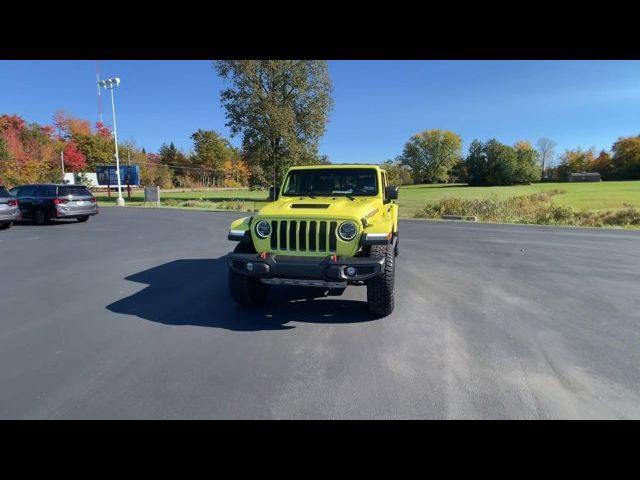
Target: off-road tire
[[5, 226], [40, 217], [83, 219], [380, 288], [244, 289]]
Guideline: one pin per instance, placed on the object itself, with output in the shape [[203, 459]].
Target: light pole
[[110, 84]]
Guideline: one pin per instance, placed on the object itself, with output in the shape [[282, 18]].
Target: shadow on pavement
[[195, 292]]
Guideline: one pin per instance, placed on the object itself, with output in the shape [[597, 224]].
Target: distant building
[[90, 179], [584, 177]]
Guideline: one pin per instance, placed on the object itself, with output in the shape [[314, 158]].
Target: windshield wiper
[[345, 193]]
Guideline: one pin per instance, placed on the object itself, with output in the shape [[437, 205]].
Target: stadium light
[[111, 84]]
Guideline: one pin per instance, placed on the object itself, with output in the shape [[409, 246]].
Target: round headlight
[[347, 231], [263, 229]]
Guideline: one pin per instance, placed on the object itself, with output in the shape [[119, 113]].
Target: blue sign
[[129, 175]]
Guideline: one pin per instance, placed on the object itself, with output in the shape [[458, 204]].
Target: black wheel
[[380, 289], [40, 217], [83, 219], [244, 289], [5, 226]]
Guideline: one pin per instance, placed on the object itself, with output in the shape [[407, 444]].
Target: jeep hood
[[319, 207]]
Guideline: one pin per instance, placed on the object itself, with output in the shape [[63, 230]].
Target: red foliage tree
[[11, 122], [11, 127], [104, 132], [74, 160]]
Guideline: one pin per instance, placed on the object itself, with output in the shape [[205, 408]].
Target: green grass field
[[581, 196]]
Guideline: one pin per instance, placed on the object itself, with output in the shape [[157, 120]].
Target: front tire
[[83, 219], [380, 289], [244, 289], [5, 226]]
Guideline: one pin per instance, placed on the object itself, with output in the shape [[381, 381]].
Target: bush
[[537, 208], [231, 205]]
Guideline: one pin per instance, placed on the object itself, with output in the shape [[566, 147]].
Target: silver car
[[44, 202], [9, 209]]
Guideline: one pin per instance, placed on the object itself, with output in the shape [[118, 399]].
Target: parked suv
[[9, 211], [44, 202]]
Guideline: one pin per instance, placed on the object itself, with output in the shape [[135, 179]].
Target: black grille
[[332, 236], [312, 236], [283, 235], [323, 236], [274, 235], [293, 239], [303, 235]]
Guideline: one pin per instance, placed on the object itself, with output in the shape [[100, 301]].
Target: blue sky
[[378, 104]]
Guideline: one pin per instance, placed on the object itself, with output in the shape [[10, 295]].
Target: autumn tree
[[279, 107], [431, 155], [74, 160], [96, 145], [576, 161], [68, 126], [179, 164], [546, 153], [626, 158], [397, 173], [4, 151], [527, 168], [311, 157], [603, 164], [30, 153], [211, 151], [169, 154]]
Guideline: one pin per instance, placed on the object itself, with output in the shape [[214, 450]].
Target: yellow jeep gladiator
[[329, 226]]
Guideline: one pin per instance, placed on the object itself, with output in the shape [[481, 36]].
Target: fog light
[[249, 267], [351, 271]]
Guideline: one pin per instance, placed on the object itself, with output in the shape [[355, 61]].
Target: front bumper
[[291, 270]]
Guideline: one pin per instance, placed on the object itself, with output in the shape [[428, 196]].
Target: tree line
[[33, 153], [435, 156]]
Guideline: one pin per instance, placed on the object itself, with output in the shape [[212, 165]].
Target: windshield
[[352, 182]]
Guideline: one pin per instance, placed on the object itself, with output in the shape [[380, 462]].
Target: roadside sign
[[129, 175], [152, 194]]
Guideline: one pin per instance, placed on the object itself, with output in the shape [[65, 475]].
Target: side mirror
[[274, 193], [392, 192]]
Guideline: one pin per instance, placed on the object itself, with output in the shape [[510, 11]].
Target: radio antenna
[[99, 92]]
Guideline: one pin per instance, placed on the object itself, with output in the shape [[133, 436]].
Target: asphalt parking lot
[[128, 316]]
